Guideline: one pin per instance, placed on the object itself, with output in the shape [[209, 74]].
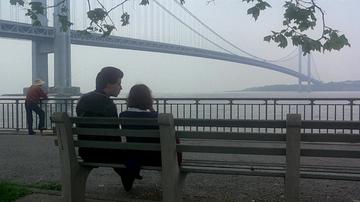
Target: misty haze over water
[[247, 94], [258, 94]]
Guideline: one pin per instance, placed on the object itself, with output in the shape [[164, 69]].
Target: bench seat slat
[[117, 145], [113, 165], [116, 132], [346, 138], [232, 171], [315, 124], [330, 153], [113, 121], [273, 173], [230, 150], [231, 123], [231, 136], [304, 167], [305, 170], [235, 166], [330, 176]]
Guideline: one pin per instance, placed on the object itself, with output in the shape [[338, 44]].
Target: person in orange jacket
[[33, 96]]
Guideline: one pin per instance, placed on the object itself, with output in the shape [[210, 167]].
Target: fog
[[165, 73]]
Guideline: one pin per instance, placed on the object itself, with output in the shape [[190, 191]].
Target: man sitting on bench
[[98, 104]]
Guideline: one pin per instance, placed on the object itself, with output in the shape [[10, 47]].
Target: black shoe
[[127, 180], [138, 177], [32, 133]]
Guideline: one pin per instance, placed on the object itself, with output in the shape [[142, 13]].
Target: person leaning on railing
[[33, 96]]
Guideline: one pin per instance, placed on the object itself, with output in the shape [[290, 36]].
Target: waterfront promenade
[[30, 159]]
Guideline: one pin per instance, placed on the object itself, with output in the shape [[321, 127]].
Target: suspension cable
[[227, 41], [182, 22]]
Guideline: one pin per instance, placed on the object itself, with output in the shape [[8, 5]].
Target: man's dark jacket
[[98, 104]]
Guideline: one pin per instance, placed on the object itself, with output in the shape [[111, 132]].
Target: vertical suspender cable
[[152, 21], [0, 10], [85, 14]]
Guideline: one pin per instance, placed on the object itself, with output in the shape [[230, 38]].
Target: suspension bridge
[[163, 26]]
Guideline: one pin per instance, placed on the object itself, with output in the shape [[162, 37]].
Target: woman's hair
[[140, 97]]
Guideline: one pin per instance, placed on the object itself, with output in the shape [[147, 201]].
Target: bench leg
[[74, 186], [182, 178]]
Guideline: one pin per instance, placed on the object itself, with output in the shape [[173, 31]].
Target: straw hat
[[38, 82]]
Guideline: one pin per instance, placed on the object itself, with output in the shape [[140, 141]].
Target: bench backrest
[[209, 134], [68, 133]]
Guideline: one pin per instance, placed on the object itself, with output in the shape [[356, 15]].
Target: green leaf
[[84, 32], [107, 29], [254, 11], [65, 23], [302, 18], [96, 15], [281, 40], [36, 23], [37, 7], [267, 38], [289, 33], [31, 14], [14, 2], [144, 2], [125, 18], [333, 41], [297, 40]]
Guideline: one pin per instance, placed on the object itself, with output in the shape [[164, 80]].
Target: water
[[261, 94]]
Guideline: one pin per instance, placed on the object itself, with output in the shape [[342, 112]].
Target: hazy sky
[[165, 73]]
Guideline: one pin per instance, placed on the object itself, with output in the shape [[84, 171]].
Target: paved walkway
[[31, 159], [43, 197]]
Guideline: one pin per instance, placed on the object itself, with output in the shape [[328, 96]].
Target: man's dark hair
[[140, 97], [108, 75]]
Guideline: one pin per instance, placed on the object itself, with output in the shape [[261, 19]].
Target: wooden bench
[[199, 138]]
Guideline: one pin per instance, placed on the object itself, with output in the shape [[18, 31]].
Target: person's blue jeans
[[30, 106]]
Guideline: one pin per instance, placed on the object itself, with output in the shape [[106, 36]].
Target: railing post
[[231, 108], [292, 175], [164, 105], [351, 109], [197, 112], [17, 116]]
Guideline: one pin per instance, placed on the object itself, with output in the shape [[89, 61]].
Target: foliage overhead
[[300, 17]]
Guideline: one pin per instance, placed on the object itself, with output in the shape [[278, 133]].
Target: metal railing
[[13, 114]]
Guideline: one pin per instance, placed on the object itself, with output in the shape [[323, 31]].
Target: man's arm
[[43, 94]]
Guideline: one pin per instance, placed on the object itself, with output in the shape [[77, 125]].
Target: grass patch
[[46, 186], [10, 191]]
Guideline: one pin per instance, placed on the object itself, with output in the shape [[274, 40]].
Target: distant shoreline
[[331, 86]]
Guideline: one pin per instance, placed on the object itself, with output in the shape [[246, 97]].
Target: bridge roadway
[[9, 29]]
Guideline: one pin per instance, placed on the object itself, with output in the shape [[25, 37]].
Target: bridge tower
[[40, 51], [62, 53], [61, 47], [308, 73]]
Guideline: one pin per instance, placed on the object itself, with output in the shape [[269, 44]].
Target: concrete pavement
[[31, 159]]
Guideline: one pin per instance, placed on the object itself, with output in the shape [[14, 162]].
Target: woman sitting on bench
[[140, 105]]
